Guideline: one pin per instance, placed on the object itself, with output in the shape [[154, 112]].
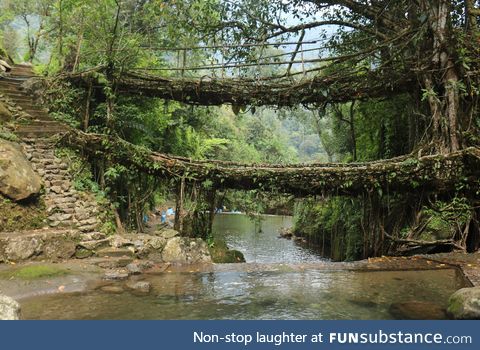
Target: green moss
[[438, 228], [222, 255], [21, 216], [34, 272], [455, 306]]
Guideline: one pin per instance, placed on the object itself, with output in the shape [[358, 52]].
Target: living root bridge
[[436, 173], [215, 91]]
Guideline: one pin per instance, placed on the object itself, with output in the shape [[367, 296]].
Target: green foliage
[[334, 224], [64, 102], [79, 170], [445, 219], [5, 134]]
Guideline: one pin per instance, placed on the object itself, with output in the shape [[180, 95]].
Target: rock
[[186, 250], [9, 308], [168, 233], [59, 249], [112, 289], [5, 114], [115, 275], [82, 253], [17, 178], [286, 233], [141, 287], [221, 254], [234, 256], [56, 189], [118, 241], [113, 263], [157, 243], [114, 252], [93, 236], [417, 310], [134, 269], [22, 248], [5, 65], [93, 244], [91, 221], [464, 304], [60, 217]]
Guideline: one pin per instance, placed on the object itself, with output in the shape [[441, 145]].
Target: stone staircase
[[33, 120], [66, 207]]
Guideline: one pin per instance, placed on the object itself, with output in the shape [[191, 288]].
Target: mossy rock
[[34, 272], [437, 229], [221, 254], [464, 304], [82, 253]]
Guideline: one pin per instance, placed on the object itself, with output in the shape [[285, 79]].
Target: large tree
[[380, 48]]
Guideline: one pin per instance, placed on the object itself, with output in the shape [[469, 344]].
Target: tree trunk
[[442, 79], [179, 206]]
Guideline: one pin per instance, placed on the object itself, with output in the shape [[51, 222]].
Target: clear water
[[260, 242], [258, 292], [310, 294]]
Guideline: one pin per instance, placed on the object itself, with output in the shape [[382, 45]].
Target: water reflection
[[259, 242]]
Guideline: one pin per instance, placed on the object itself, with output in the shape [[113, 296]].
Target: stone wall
[[66, 207]]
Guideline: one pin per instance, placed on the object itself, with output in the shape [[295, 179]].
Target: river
[[249, 291], [259, 240]]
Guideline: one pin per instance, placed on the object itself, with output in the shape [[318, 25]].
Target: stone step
[[30, 105], [38, 133], [11, 92], [20, 100], [95, 235], [114, 252], [42, 118], [10, 81], [44, 124], [16, 69], [21, 73], [35, 131], [33, 109], [14, 94], [95, 244], [38, 114], [61, 224]]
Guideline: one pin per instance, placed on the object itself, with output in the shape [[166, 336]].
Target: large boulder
[[17, 179], [9, 308], [464, 304], [186, 250]]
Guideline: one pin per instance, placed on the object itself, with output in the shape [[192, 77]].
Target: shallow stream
[[244, 292]]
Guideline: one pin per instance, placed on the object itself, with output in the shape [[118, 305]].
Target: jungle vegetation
[[210, 79]]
